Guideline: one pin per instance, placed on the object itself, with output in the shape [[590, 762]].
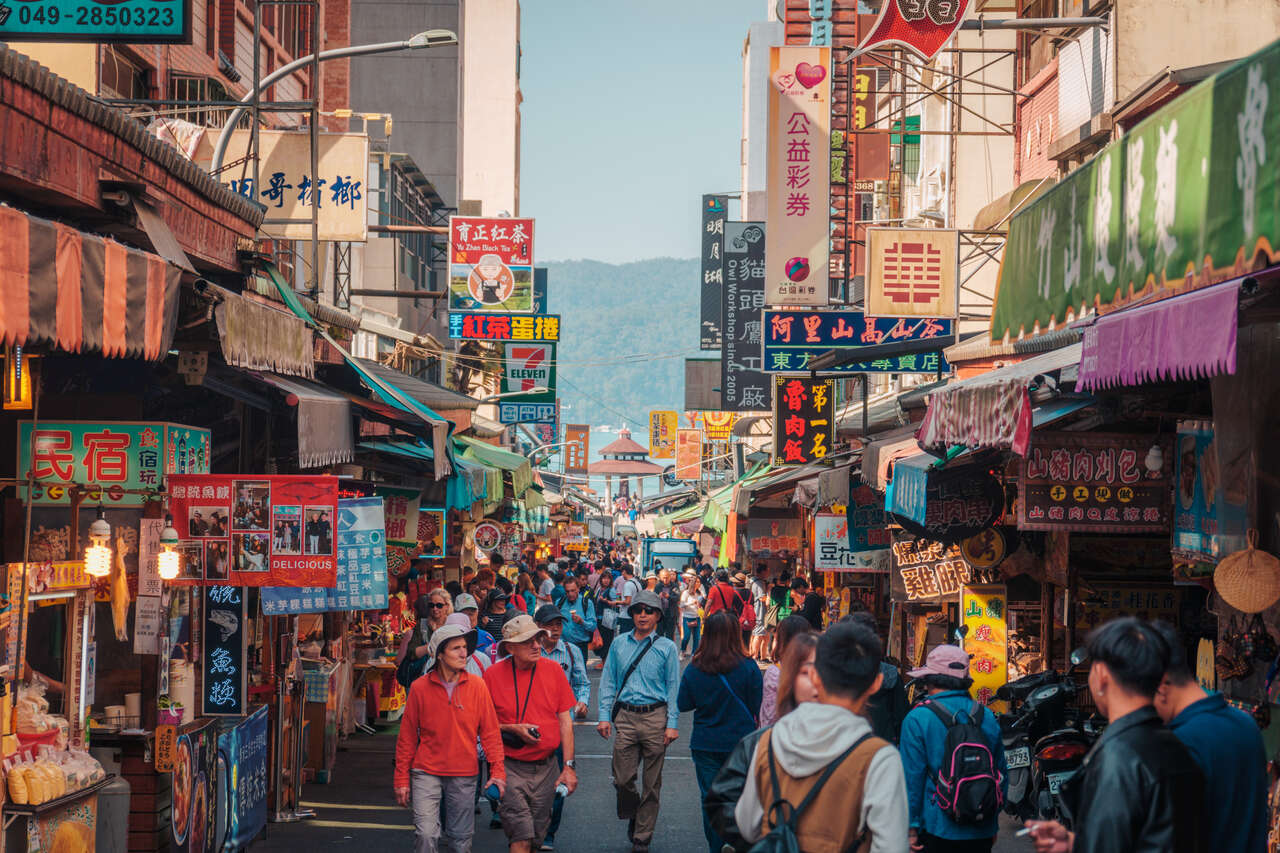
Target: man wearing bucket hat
[[923, 746], [534, 706], [638, 690], [447, 712]]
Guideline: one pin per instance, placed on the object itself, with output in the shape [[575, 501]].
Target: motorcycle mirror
[[1079, 656], [962, 632]]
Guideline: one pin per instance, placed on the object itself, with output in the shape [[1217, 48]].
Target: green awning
[[503, 460]]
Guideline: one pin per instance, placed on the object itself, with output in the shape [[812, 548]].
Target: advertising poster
[[474, 326], [577, 446], [926, 572], [490, 264], [662, 435], [527, 366], [912, 272], [255, 530], [1206, 525], [794, 338], [362, 567], [688, 454], [222, 662], [832, 551], [743, 385], [773, 537], [400, 510], [70, 828], [242, 773], [983, 610], [433, 532], [715, 212], [804, 419], [195, 769], [797, 228], [1095, 482]]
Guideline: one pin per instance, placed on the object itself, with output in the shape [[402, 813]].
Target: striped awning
[[79, 292]]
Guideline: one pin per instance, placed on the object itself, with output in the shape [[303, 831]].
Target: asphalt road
[[356, 811]]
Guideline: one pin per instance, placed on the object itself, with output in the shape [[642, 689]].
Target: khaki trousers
[[639, 737]]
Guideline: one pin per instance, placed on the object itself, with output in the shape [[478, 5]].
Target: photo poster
[[223, 658], [255, 530], [362, 567], [242, 752], [432, 532]]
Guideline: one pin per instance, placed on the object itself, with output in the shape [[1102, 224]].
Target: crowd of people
[[802, 735]]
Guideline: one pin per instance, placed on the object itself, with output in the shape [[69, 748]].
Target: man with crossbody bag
[[638, 689], [819, 780]]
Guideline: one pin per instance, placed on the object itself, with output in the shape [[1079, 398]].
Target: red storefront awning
[[79, 292]]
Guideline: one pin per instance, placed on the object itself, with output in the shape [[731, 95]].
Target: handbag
[[609, 619], [597, 642]]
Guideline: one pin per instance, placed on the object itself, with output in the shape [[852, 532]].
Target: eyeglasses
[[649, 611], [436, 605]]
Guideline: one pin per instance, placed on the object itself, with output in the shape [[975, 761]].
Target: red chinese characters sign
[[803, 419], [1094, 482], [256, 530], [490, 264], [922, 26], [912, 272]]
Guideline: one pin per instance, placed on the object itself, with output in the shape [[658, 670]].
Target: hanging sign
[[166, 744], [832, 551], [577, 439], [528, 413], [1094, 482], [948, 505], [474, 326], [529, 366], [804, 419], [922, 26], [98, 21], [798, 228], [983, 609], [242, 752], [222, 660], [773, 537], [1206, 525], [256, 530], [662, 435], [926, 572], [714, 214], [487, 536], [688, 454], [743, 385], [400, 510], [362, 567], [490, 264], [912, 272], [109, 459], [433, 532], [792, 339]]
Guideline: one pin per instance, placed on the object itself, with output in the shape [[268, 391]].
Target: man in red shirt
[[448, 709], [723, 596], [534, 704]]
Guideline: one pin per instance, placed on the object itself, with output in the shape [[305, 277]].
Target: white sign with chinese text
[[912, 272], [831, 552], [797, 230], [288, 189]]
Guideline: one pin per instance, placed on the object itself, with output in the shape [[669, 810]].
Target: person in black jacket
[[1139, 789], [888, 707]]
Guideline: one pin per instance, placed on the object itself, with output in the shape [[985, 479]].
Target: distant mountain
[[625, 330]]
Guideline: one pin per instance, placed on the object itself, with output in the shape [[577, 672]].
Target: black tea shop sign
[[222, 662], [803, 419], [923, 571]]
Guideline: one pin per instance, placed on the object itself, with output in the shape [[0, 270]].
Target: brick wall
[[1037, 126], [335, 75]]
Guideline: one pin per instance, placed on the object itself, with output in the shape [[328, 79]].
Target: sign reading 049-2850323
[[148, 21]]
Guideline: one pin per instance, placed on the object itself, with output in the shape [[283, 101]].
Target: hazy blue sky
[[632, 110]]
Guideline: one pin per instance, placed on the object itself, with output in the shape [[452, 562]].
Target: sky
[[631, 112]]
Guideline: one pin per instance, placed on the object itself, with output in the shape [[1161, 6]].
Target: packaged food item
[[15, 782]]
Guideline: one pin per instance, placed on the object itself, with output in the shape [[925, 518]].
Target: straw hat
[[1248, 580]]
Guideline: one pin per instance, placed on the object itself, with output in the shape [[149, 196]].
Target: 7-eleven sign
[[528, 366]]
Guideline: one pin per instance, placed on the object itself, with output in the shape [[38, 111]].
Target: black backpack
[[967, 786], [782, 838]]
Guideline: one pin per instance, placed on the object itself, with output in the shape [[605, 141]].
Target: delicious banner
[[715, 210], [362, 567], [662, 435], [688, 454], [1102, 482], [743, 385], [798, 232], [490, 264], [255, 530], [804, 419], [792, 339]]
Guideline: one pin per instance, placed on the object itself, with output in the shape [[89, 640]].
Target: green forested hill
[[626, 329]]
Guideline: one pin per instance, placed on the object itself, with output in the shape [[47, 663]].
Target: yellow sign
[[662, 435], [983, 610], [911, 272], [166, 743], [51, 577]]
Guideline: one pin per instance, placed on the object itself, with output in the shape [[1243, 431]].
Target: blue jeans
[[692, 628], [706, 765]]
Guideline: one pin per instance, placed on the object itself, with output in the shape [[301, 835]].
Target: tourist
[[787, 630], [762, 634], [691, 600], [795, 673], [579, 617], [572, 662], [465, 603]]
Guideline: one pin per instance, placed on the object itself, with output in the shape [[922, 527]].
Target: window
[[122, 77], [1035, 50], [191, 87]]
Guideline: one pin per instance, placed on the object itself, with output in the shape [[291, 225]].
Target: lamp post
[[428, 39], [539, 389]]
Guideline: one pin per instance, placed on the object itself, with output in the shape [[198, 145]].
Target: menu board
[[255, 530], [222, 661]]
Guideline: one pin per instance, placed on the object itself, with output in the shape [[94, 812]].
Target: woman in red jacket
[[437, 764]]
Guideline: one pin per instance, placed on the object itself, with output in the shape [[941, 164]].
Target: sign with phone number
[[149, 21]]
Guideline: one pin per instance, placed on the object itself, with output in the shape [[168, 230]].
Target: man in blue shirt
[[924, 735], [579, 616], [638, 690], [1227, 745]]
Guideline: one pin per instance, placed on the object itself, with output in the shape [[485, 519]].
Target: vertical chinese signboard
[[912, 272], [715, 210], [803, 419], [743, 385], [926, 572], [223, 671], [243, 752], [983, 610], [688, 454], [255, 530], [490, 264], [662, 435], [577, 439], [362, 567], [1094, 482], [797, 232], [109, 459]]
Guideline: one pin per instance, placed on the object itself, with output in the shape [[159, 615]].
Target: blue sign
[[1206, 526], [527, 413], [792, 339], [362, 567], [242, 771]]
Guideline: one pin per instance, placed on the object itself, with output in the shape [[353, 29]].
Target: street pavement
[[357, 810]]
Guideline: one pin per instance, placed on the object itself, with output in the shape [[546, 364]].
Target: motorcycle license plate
[[1018, 757], [1056, 780]]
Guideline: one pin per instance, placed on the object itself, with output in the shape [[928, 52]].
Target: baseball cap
[[546, 614], [944, 660], [465, 601]]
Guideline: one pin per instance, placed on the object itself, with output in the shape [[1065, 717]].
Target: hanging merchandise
[[1248, 580]]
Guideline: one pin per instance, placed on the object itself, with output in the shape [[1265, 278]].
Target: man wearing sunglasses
[[638, 689]]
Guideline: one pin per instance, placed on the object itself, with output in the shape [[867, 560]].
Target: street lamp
[[430, 38], [539, 389]]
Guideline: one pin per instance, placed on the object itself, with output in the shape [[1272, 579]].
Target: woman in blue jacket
[[722, 686]]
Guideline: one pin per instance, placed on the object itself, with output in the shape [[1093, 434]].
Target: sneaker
[[549, 844], [495, 822]]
